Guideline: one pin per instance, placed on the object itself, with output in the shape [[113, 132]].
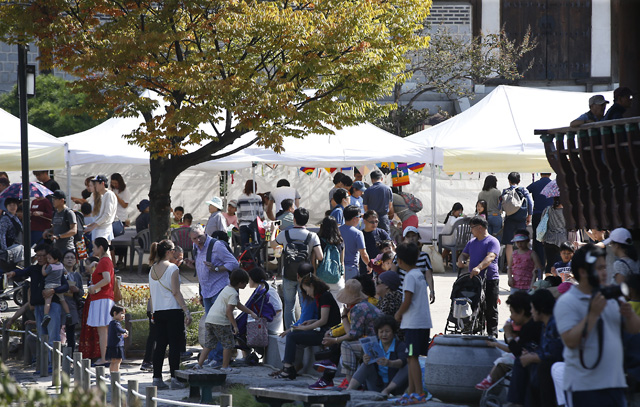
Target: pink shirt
[[522, 268]]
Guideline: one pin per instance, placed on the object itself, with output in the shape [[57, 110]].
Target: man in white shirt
[[101, 225], [283, 191]]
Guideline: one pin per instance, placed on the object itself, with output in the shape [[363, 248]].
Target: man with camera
[[589, 318]]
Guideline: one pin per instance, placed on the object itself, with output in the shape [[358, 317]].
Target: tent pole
[[66, 150], [434, 227]]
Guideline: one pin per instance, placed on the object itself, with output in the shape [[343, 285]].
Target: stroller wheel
[[18, 297], [3, 305], [252, 360]]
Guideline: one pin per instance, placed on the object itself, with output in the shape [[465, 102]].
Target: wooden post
[[132, 400], [116, 395], [129, 327], [56, 362], [66, 365], [5, 343], [152, 391], [86, 377], [100, 384], [226, 400], [77, 371], [44, 356]]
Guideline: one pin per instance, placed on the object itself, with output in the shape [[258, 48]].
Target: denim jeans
[[216, 353], [289, 291], [350, 272], [495, 223], [53, 329]]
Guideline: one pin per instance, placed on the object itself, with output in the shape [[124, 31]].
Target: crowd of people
[[354, 282]]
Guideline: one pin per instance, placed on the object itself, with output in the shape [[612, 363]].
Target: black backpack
[[80, 224], [295, 253]]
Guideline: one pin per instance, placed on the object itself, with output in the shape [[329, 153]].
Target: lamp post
[[24, 86]]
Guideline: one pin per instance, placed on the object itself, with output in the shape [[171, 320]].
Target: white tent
[[45, 151], [496, 134]]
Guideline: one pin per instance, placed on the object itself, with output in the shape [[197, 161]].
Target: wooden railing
[[598, 172]]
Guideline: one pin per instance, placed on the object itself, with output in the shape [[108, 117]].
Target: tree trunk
[[163, 175]]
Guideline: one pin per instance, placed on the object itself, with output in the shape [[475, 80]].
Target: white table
[[425, 230]]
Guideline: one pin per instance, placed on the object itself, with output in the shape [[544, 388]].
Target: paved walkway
[[254, 375]]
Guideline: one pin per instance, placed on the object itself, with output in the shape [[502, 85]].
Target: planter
[[455, 364]]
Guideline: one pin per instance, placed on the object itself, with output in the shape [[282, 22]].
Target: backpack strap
[[308, 239], [286, 236], [210, 249]]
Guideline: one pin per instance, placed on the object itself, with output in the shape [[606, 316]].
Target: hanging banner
[[400, 176], [386, 167], [307, 170], [416, 167], [331, 170]]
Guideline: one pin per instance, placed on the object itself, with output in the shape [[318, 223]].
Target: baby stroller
[[17, 292], [258, 303], [466, 314]]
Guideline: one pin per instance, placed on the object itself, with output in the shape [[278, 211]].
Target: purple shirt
[[212, 282], [478, 250]]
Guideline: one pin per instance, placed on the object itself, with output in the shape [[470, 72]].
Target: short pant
[[215, 334], [417, 341]]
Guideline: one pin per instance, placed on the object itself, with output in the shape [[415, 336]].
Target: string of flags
[[399, 171]]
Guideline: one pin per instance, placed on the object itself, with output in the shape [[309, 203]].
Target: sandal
[[288, 373], [402, 400], [276, 373]]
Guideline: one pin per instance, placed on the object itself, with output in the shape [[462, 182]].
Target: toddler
[[562, 268], [115, 339], [52, 272], [383, 262], [525, 264]]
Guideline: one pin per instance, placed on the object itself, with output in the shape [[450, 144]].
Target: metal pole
[[226, 400], [132, 400], [26, 354], [434, 212], [152, 391], [100, 384], [77, 371], [5, 343], [116, 395], [24, 149], [66, 366], [86, 377], [55, 373], [44, 356], [66, 156]]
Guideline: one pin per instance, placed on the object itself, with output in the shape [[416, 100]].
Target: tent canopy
[[45, 151], [496, 134]]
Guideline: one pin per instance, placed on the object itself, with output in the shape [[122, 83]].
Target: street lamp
[[26, 87]]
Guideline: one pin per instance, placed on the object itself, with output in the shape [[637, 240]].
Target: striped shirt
[[249, 206], [424, 264]]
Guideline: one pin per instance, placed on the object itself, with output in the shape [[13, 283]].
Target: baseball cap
[[234, 203], [597, 100], [359, 185], [100, 178], [391, 279], [144, 204], [619, 235], [215, 201], [58, 194], [410, 229]]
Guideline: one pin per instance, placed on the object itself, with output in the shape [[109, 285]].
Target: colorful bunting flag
[[307, 170], [346, 169], [416, 167], [330, 170], [386, 167], [400, 176]]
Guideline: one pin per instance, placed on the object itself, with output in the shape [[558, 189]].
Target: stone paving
[[256, 375]]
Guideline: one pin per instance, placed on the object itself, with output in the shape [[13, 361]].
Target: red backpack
[[414, 204]]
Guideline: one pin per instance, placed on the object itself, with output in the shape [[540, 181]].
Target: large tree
[[279, 68]]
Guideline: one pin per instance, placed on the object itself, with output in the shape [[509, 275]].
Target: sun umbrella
[[36, 190], [551, 190]]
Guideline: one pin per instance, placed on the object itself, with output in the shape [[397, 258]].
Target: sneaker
[[197, 366], [177, 384], [214, 364], [484, 384], [146, 367], [185, 355], [228, 370], [343, 384], [325, 365], [45, 321], [161, 385], [321, 384]]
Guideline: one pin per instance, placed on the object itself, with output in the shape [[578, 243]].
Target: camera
[[612, 292]]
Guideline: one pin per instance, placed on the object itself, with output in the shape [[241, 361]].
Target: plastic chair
[[181, 238], [462, 231], [141, 244]]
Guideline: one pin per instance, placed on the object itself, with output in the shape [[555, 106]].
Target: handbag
[[118, 228], [117, 295], [541, 230], [257, 335]]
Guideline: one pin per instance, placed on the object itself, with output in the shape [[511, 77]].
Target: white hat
[[216, 201], [619, 235], [410, 229]]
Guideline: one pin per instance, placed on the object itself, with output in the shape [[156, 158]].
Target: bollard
[[316, 405], [226, 400], [152, 391], [56, 361], [44, 356], [77, 372], [86, 377], [100, 384], [66, 365], [116, 395], [26, 354], [5, 342], [132, 400], [129, 327]]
